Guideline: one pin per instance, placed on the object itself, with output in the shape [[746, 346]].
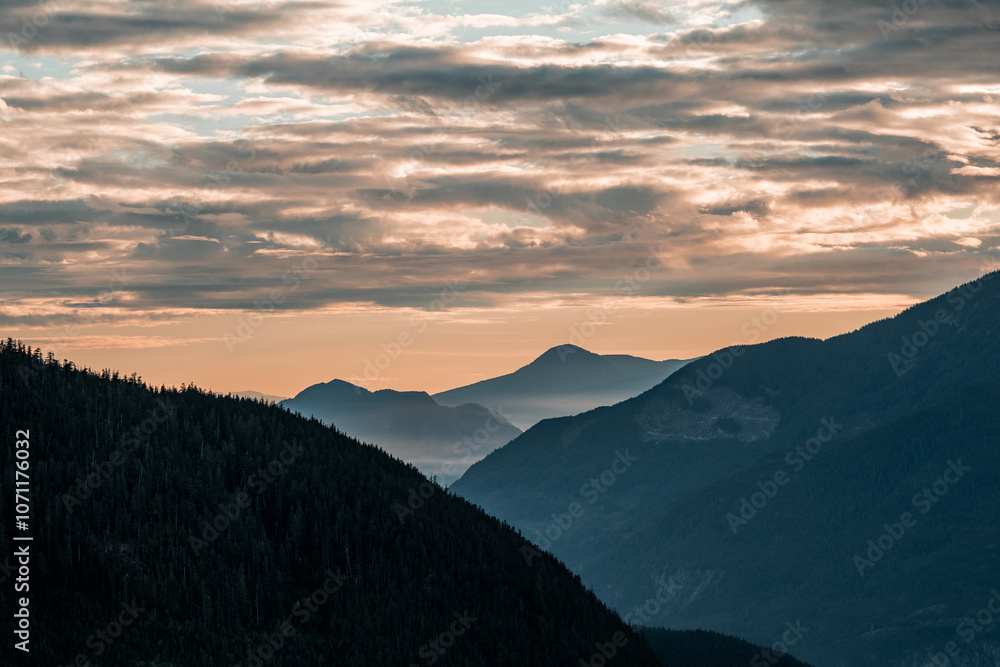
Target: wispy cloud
[[206, 148]]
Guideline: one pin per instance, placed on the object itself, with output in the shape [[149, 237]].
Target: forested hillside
[[701, 648], [746, 484], [234, 532]]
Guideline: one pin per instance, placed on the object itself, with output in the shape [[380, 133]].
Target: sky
[[418, 195]]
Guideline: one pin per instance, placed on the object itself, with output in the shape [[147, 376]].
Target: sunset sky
[[418, 195]]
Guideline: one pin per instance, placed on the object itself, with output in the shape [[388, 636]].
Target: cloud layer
[[212, 153]]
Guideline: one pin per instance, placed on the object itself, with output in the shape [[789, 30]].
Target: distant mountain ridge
[[234, 532], [270, 398], [564, 380], [441, 441], [763, 472]]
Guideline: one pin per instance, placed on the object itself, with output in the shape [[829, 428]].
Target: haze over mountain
[[847, 484], [217, 516], [440, 441], [175, 527], [565, 380], [270, 398]]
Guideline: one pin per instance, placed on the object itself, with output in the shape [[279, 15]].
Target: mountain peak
[[563, 353], [338, 390], [564, 380], [344, 385]]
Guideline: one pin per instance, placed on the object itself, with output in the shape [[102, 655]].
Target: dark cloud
[[435, 73], [628, 199], [758, 208], [990, 136], [650, 12], [530, 164], [13, 236], [53, 26]]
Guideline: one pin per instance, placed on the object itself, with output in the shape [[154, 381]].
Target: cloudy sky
[[264, 195]]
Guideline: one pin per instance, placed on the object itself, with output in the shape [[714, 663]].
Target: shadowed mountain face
[[439, 440], [565, 380], [216, 530], [700, 648], [847, 485]]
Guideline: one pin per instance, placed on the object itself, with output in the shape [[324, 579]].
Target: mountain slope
[[311, 559], [642, 473], [441, 441], [863, 604], [701, 648], [564, 380]]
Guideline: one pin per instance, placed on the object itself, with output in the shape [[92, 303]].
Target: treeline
[[234, 532]]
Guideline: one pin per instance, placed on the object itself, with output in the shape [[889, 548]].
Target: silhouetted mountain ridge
[[563, 380], [344, 392], [705, 438], [316, 567], [226, 557], [441, 441]]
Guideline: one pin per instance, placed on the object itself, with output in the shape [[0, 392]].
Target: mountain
[[441, 441], [269, 398], [700, 648], [847, 484], [565, 380], [176, 527]]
